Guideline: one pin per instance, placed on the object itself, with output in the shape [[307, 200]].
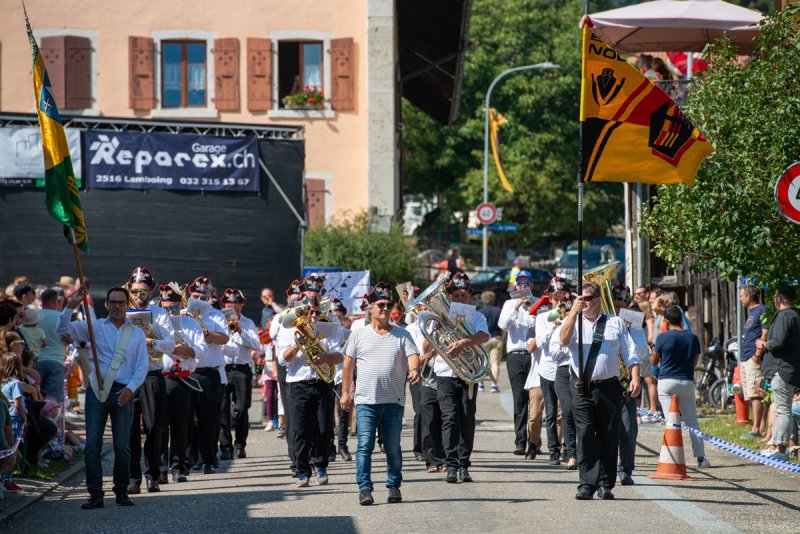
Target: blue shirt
[[752, 331], [13, 390], [678, 349]]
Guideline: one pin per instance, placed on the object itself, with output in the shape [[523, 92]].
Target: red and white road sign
[[787, 193], [487, 213]]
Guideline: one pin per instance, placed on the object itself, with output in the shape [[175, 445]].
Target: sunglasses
[[140, 292], [174, 308], [316, 312], [588, 299], [199, 296], [523, 284], [383, 305]]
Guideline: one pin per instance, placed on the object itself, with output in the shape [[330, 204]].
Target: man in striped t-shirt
[[384, 355]]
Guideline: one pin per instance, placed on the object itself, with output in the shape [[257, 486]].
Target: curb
[[31, 497]]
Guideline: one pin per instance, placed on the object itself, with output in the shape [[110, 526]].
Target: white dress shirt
[[617, 342], [192, 335], [163, 327], [215, 322], [298, 369], [237, 350], [477, 324], [516, 323], [106, 336], [551, 359]]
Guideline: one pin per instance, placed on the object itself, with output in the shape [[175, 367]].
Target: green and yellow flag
[[63, 200], [495, 122], [632, 131]]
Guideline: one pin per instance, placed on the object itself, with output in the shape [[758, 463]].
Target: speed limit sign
[[487, 213], [787, 193]]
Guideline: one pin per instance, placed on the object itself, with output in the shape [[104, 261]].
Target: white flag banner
[[21, 154], [347, 286]]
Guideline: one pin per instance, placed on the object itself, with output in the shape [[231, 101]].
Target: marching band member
[[238, 353], [207, 402], [385, 356], [311, 400], [598, 392], [458, 410], [150, 400], [516, 322], [178, 365], [340, 312]]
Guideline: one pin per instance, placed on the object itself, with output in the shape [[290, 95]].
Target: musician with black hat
[[455, 401], [238, 353], [150, 400]]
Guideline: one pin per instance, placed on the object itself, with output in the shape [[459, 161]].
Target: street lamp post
[[546, 65]]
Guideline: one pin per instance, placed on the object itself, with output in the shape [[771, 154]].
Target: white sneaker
[[480, 386], [495, 389], [775, 454], [703, 463], [269, 426]]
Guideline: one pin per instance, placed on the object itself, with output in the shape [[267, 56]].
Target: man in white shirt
[[598, 392], [339, 311], [177, 367], [120, 343], [238, 353], [458, 409], [150, 400], [516, 321]]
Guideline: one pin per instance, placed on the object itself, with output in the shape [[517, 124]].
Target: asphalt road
[[509, 494]]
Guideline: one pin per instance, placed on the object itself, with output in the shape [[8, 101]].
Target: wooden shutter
[[226, 74], [259, 74], [141, 88], [315, 202], [54, 54], [78, 72], [342, 75]]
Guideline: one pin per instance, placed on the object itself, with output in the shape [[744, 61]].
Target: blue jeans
[[52, 378], [390, 418], [97, 413]]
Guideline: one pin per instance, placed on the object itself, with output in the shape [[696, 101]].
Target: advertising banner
[[138, 160], [21, 154]]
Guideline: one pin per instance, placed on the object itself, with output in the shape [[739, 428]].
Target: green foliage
[[729, 221], [350, 245], [539, 143]]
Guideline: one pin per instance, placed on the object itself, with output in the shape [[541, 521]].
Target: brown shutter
[[259, 74], [54, 54], [226, 74], [78, 73], [342, 75], [315, 202], [141, 89]]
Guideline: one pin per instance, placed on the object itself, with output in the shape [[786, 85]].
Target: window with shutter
[[299, 68], [315, 202], [342, 75], [78, 73], [183, 74], [259, 74], [226, 74], [141, 89], [53, 50]]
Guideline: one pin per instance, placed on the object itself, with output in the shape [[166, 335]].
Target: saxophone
[[305, 339]]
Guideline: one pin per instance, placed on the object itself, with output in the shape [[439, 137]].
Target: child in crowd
[[34, 336], [7, 441], [269, 378], [11, 377]]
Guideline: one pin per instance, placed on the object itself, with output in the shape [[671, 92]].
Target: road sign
[[503, 228], [787, 193], [487, 213]]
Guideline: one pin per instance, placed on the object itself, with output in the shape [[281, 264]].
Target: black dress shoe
[[152, 486], [226, 454], [134, 488], [452, 475], [345, 454], [584, 493], [163, 479], [605, 493], [92, 503], [178, 477], [626, 480], [463, 475], [519, 451], [208, 469], [124, 500], [240, 453], [530, 454], [554, 460]]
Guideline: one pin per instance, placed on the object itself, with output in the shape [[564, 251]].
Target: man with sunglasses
[[597, 401], [310, 399], [238, 352], [122, 355], [385, 355], [458, 409], [516, 321], [150, 400]]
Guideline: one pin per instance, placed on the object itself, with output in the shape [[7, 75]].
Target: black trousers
[[597, 416], [458, 420], [150, 411], [180, 400], [551, 416], [312, 429], [206, 409], [238, 390], [343, 430], [414, 389], [519, 365], [566, 392], [431, 427], [628, 432], [283, 388]]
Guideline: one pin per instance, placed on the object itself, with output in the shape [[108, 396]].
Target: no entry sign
[[787, 193]]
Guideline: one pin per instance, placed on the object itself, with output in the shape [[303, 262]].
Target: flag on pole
[[632, 130], [61, 190], [495, 122]]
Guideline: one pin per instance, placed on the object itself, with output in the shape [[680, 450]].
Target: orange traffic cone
[[672, 462]]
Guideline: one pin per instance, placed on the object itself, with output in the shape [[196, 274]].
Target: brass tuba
[[300, 318], [472, 364]]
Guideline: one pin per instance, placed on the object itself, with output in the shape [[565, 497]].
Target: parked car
[[593, 256], [496, 279]]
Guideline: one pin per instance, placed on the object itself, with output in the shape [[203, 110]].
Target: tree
[[349, 245], [540, 142], [729, 221]]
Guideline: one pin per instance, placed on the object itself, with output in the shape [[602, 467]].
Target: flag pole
[[580, 201], [87, 310]]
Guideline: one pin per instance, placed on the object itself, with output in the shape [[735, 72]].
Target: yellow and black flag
[[495, 122], [632, 131]]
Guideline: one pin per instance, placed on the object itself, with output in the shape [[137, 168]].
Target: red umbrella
[[679, 59]]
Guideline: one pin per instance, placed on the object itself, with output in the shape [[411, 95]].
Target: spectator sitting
[[33, 335], [9, 463]]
